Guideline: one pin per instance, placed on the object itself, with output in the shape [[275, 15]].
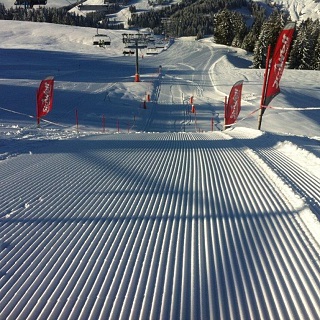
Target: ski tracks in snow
[[160, 226]]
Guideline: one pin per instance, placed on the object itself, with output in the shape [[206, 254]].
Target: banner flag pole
[[37, 109], [103, 123], [77, 120], [265, 80], [225, 112]]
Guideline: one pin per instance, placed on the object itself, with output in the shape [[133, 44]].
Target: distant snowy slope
[[299, 10], [54, 37]]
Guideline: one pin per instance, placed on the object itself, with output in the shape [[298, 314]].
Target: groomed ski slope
[[169, 225], [171, 220]]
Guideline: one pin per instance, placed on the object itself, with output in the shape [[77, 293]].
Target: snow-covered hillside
[[299, 10], [158, 214]]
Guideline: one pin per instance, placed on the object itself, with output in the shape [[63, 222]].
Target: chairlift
[[135, 40], [30, 3], [101, 40], [128, 51], [152, 51], [133, 45]]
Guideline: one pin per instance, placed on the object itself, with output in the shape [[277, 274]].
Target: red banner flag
[[45, 97], [278, 61], [233, 107]]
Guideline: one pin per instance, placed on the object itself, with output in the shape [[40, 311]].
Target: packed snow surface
[[144, 210]]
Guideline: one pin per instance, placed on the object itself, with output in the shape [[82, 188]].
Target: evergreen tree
[[268, 36], [222, 32], [295, 51], [315, 35], [316, 62], [229, 28], [2, 12], [249, 41], [303, 51], [239, 29], [306, 50]]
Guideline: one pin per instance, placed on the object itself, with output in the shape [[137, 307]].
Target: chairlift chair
[[128, 51], [134, 44], [101, 40], [152, 51], [30, 3]]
